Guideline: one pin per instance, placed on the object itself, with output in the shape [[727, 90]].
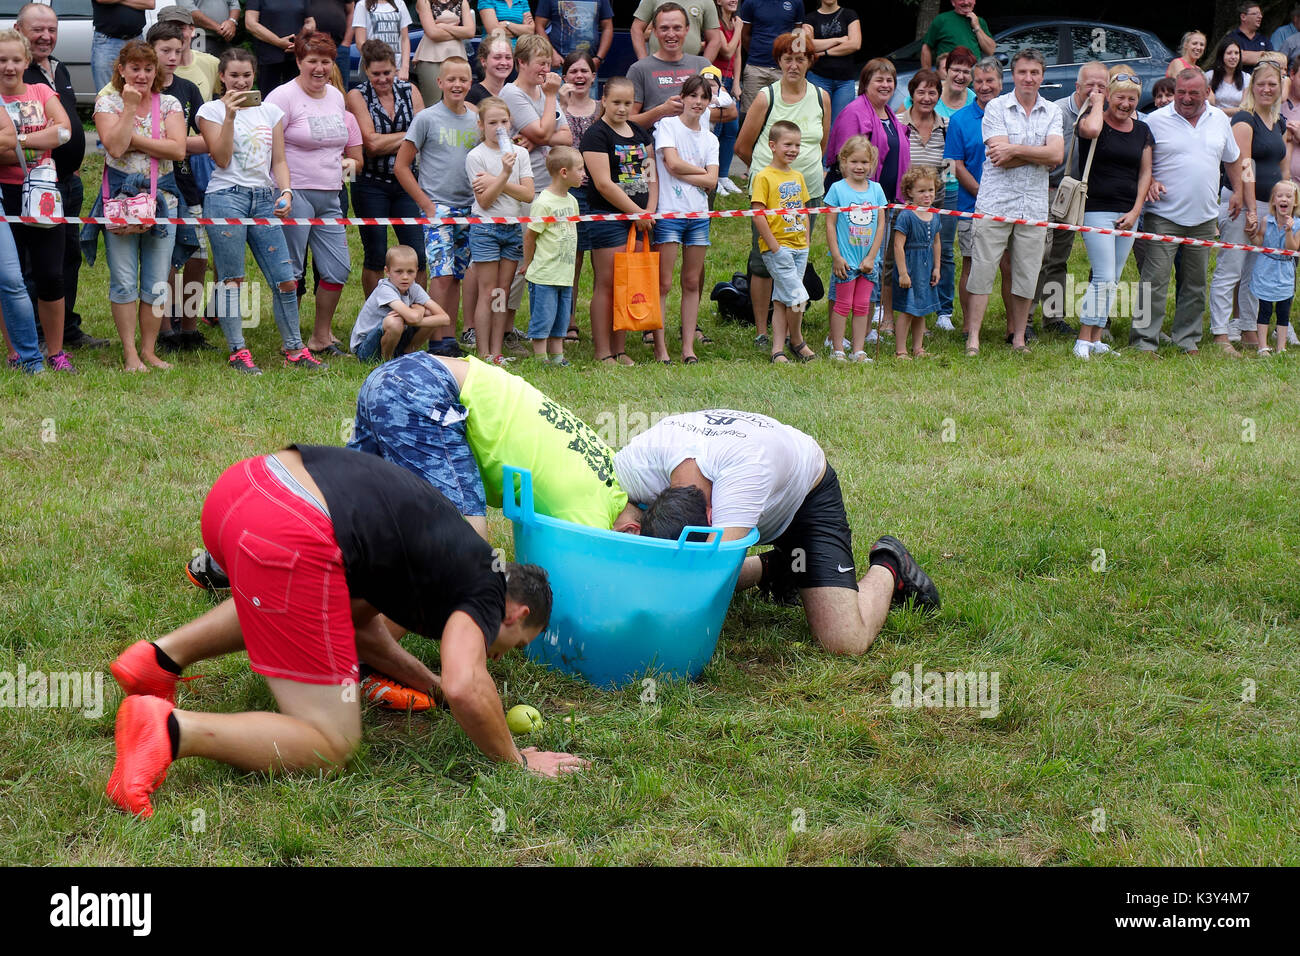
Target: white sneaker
[[944, 322], [838, 357], [872, 337], [1233, 334], [1081, 350], [1100, 348], [875, 316], [861, 357], [827, 344], [1291, 336]]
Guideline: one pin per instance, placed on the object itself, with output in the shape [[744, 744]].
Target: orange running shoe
[[144, 752], [137, 671], [387, 693]]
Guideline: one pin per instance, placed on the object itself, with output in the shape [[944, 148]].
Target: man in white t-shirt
[[740, 471]]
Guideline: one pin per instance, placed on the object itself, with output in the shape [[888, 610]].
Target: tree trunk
[[925, 14]]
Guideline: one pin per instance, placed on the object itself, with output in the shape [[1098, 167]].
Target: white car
[[75, 28]]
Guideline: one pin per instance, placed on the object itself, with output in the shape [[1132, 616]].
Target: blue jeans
[[269, 249], [842, 92], [103, 54], [383, 198], [727, 133], [947, 264], [1106, 255], [549, 308], [20, 318], [138, 264]]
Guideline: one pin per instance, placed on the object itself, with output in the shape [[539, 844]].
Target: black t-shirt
[[68, 157], [1267, 149], [115, 20], [190, 99], [406, 549], [1113, 178], [331, 16], [828, 26], [630, 157], [281, 17]]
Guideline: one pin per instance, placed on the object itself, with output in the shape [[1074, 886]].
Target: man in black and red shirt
[[331, 554]]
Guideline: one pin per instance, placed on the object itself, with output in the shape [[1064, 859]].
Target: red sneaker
[[144, 752], [137, 672], [303, 359], [387, 693]]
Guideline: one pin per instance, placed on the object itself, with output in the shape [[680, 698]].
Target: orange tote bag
[[636, 287]]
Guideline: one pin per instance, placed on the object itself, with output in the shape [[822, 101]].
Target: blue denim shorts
[[492, 242], [786, 267], [369, 348], [549, 307], [409, 413], [688, 232], [446, 248], [606, 235]]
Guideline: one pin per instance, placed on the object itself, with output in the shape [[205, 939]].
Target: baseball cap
[[179, 14]]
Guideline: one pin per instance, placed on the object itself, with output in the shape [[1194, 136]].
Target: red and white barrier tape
[[629, 217]]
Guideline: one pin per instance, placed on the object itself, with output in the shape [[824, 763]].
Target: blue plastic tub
[[625, 606]]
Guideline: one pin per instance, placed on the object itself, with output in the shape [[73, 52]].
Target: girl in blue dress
[[1273, 280], [916, 257]]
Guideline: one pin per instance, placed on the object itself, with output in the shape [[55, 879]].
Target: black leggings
[[1283, 312], [40, 249]]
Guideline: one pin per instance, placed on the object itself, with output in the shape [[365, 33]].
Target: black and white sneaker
[[205, 573], [912, 581]]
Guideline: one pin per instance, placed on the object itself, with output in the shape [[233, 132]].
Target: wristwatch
[[22, 140]]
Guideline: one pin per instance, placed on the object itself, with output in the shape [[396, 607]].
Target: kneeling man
[[331, 555], [740, 471]]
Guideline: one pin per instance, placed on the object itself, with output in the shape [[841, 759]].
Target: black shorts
[[816, 550]]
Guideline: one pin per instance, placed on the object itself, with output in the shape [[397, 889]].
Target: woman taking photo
[[837, 36], [137, 125], [1226, 79], [41, 124], [384, 108], [250, 179], [796, 101], [1120, 146], [447, 24], [1260, 133], [1190, 51], [322, 144]]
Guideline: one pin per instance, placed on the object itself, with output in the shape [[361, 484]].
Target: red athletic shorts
[[286, 576]]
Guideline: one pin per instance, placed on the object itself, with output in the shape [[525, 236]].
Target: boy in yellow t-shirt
[[783, 239], [550, 250]]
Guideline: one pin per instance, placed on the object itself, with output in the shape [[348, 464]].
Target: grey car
[[1066, 45], [73, 48]]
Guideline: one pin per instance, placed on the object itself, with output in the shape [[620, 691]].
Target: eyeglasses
[[1125, 78]]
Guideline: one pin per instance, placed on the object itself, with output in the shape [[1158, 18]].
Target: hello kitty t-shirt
[[316, 131], [855, 230], [250, 157]]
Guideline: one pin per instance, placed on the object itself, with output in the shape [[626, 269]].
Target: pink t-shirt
[[316, 132], [27, 110]]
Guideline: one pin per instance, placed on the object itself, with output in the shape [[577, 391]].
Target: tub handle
[[521, 508], [683, 544]]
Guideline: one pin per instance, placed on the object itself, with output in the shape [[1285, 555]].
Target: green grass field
[[1148, 711]]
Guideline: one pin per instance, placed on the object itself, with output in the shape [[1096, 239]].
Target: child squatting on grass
[[502, 179], [1273, 279], [550, 251], [854, 240], [783, 239], [916, 258], [399, 316]]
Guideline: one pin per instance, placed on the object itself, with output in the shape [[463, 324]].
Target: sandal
[[902, 357], [607, 358], [702, 338], [690, 360], [619, 356], [1021, 349], [803, 352], [972, 351], [778, 358], [573, 335], [331, 350], [647, 338], [1263, 350], [922, 354]]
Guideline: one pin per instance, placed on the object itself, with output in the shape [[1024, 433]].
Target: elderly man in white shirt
[[1023, 140], [740, 471], [1192, 139]]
